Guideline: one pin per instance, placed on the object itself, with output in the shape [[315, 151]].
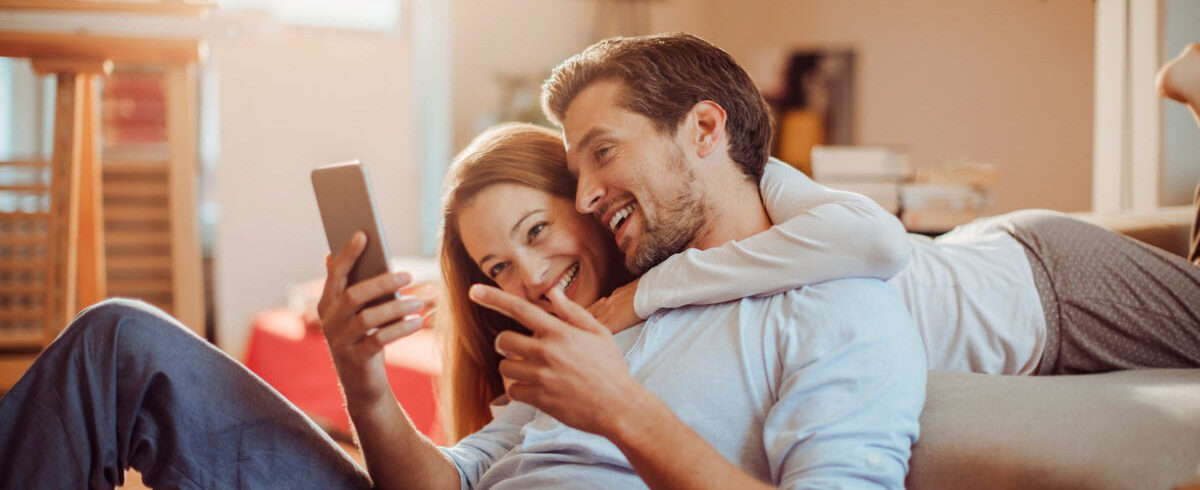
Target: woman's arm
[[820, 234], [396, 454], [572, 370]]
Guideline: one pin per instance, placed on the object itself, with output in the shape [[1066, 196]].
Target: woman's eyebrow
[[511, 233], [517, 226]]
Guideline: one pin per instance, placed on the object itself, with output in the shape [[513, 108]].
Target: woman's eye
[[496, 270], [536, 230]]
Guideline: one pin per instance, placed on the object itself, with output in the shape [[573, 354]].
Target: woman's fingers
[[382, 285], [339, 267], [520, 372], [396, 330], [519, 309], [379, 316], [337, 271], [516, 345], [573, 313]]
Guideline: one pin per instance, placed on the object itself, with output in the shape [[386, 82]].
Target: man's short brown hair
[[663, 77]]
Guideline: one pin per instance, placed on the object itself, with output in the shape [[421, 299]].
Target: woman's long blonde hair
[[514, 153]]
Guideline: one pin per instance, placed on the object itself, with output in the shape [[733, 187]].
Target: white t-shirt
[[819, 387], [970, 291]]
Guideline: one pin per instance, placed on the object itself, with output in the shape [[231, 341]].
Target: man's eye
[[496, 270], [536, 230], [602, 152]]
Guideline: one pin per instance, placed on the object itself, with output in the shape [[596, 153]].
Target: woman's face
[[529, 241]]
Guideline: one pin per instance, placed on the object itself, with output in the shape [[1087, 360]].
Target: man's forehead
[[591, 111]]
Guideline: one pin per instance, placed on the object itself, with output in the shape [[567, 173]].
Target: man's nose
[[588, 193]]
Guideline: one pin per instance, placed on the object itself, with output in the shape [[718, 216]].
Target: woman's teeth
[[568, 278], [618, 218]]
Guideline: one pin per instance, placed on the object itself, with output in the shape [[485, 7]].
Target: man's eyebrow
[[511, 232], [591, 135]]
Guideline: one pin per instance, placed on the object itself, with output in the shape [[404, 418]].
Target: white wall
[[529, 37], [1004, 82], [1007, 82], [291, 100]]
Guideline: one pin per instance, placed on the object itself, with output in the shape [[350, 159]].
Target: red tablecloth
[[295, 361]]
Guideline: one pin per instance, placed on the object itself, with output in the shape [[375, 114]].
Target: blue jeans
[[125, 385]]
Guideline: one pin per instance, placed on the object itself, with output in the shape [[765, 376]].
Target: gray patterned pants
[[1111, 302]]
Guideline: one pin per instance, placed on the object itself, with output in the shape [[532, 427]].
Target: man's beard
[[676, 225]]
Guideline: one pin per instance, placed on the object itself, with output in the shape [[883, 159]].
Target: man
[[820, 386]]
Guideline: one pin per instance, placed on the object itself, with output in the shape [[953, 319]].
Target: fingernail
[[476, 292], [401, 275]]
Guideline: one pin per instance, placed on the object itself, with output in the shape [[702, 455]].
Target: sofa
[[1122, 430]]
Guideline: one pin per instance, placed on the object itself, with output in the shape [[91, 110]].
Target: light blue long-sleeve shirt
[[819, 387]]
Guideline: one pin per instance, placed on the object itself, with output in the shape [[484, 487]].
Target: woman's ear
[[707, 119]]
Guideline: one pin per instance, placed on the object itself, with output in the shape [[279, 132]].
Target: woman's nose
[[535, 275]]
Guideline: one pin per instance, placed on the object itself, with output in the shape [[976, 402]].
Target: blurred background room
[[161, 149]]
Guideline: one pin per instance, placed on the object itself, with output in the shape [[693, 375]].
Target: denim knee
[[136, 320]]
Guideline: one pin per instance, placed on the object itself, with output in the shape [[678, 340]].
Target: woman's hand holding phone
[[356, 333]]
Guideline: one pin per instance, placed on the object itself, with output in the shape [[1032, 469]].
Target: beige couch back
[[1123, 430]]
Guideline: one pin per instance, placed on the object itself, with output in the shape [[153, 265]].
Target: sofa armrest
[[1167, 228]]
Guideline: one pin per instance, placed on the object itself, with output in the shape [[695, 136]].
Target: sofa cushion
[[1130, 429]]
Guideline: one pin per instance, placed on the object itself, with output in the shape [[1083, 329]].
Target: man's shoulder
[[853, 304], [842, 307], [839, 295]]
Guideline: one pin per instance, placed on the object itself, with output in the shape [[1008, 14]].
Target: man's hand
[[616, 311], [570, 368], [356, 335]]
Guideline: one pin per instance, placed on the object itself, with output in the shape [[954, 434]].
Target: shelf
[[113, 48], [190, 9]]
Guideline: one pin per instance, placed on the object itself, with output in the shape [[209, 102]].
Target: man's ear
[[707, 119]]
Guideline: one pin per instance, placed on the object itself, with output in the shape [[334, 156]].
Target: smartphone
[[347, 205]]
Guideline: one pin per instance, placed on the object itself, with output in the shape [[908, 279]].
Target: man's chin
[[642, 260]]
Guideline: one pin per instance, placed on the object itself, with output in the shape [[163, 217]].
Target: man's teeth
[[568, 278], [616, 220]]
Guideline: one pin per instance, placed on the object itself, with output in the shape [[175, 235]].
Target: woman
[[127, 386]]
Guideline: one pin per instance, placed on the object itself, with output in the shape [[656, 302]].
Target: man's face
[[637, 181]]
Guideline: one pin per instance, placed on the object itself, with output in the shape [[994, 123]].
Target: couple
[[668, 139]]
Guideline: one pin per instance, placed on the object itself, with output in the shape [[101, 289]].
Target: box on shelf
[[860, 163], [979, 174], [886, 194], [875, 172], [929, 207]]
